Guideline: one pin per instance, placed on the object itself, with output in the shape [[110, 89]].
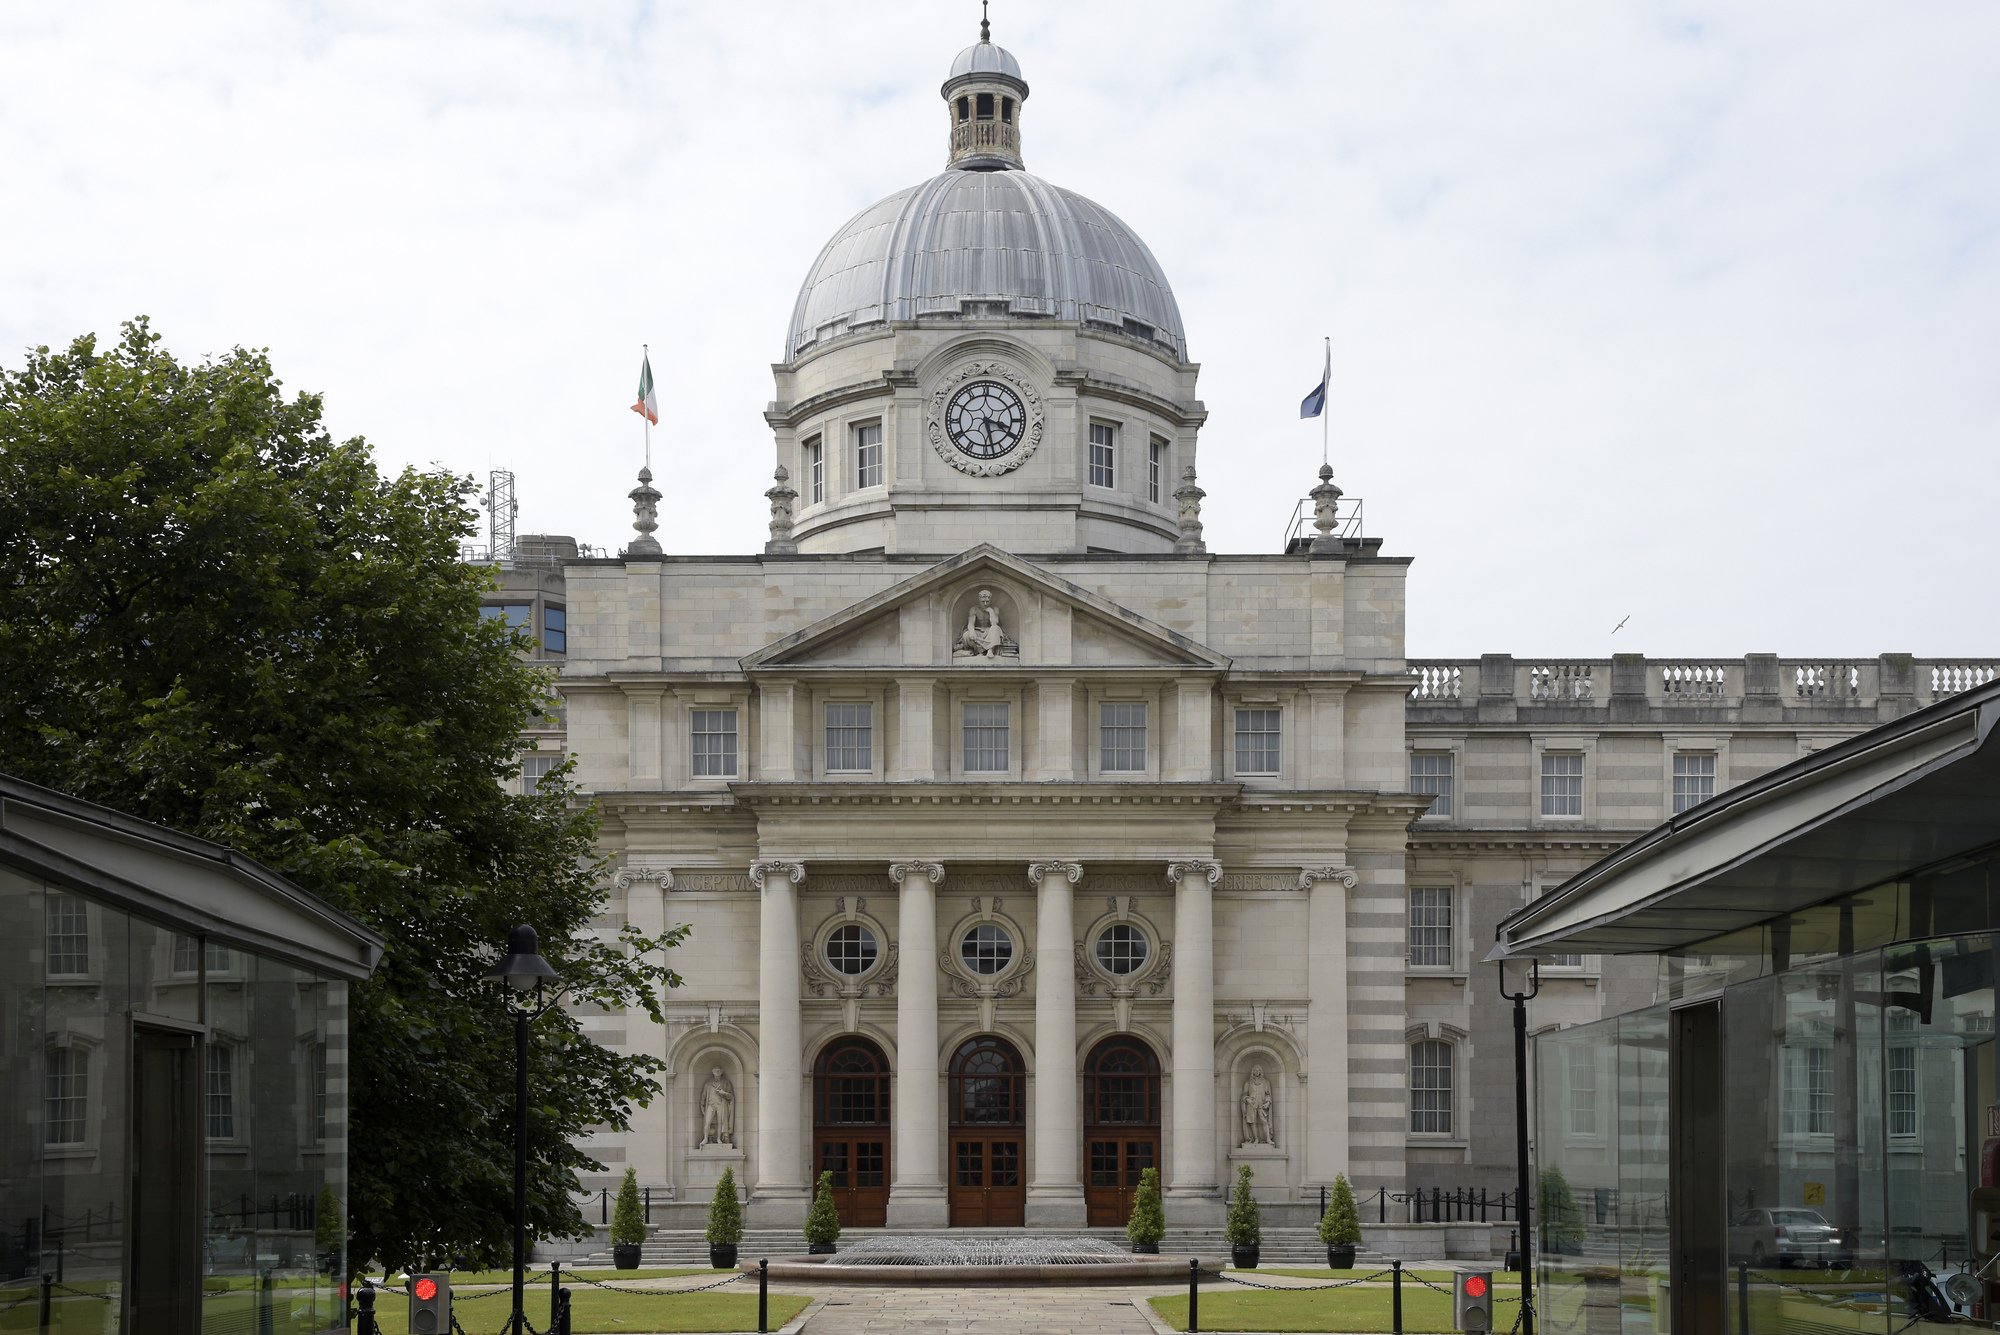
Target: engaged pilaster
[[1326, 1019], [781, 1145], [1055, 1195], [917, 1199], [1194, 1180]]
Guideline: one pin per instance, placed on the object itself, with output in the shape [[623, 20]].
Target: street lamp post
[[523, 970], [1521, 996]]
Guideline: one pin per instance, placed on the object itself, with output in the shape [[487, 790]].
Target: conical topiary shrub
[[1148, 1223], [725, 1222], [628, 1223], [1561, 1221], [1244, 1229], [1340, 1226], [823, 1220]]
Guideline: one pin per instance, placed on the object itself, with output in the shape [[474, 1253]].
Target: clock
[[985, 419]]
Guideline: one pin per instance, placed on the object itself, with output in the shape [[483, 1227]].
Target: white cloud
[[1688, 312]]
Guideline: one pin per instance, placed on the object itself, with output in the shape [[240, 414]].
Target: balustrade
[[1826, 681], [1562, 683], [1437, 681], [1694, 681], [1951, 678], [969, 135]]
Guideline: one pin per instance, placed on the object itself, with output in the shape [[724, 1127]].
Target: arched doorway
[[1121, 1126], [851, 1129], [989, 1132]]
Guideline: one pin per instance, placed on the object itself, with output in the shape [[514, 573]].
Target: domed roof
[[982, 57], [986, 243]]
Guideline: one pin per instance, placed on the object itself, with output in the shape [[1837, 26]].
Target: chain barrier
[[1308, 1288], [656, 1293], [101, 1297]]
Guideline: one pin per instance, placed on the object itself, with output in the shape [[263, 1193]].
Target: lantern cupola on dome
[[984, 93]]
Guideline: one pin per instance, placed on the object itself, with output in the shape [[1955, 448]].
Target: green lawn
[[1361, 1271], [595, 1312], [1228, 1306], [539, 1275]]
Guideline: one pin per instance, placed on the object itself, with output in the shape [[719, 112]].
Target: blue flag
[[1315, 403]]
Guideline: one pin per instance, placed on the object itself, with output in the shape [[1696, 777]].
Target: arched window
[[1430, 1088], [852, 1085], [1122, 1084], [987, 1084]]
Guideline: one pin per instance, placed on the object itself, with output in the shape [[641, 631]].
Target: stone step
[[687, 1247]]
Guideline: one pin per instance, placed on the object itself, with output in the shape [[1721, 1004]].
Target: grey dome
[[985, 58], [983, 243]]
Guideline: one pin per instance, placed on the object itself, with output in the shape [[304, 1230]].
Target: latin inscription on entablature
[[695, 882], [1123, 883], [846, 883], [1258, 880]]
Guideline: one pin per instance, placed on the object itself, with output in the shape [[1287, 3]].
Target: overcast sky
[[1687, 313]]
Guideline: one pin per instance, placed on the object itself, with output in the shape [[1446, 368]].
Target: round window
[[986, 948], [1121, 948], [851, 949]]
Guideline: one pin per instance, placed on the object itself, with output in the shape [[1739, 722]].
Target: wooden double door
[[1121, 1128], [851, 1130], [988, 1135]]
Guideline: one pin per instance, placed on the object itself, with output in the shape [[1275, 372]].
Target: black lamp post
[[1521, 996], [524, 971]]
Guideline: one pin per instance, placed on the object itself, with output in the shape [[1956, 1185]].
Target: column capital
[[930, 871], [794, 872], [660, 876], [1069, 871], [1208, 870], [1345, 875]]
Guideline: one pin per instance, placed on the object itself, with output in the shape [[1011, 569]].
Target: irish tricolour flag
[[648, 405]]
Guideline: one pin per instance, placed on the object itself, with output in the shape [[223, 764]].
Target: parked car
[[1765, 1237]]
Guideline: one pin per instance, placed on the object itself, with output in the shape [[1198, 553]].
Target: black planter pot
[[1243, 1255], [1146, 1249], [722, 1255], [625, 1255], [1340, 1256], [819, 1249]]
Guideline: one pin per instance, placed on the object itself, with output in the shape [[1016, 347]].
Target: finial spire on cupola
[[984, 93]]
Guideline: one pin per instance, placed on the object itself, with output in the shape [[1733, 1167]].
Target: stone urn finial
[[1188, 496], [645, 516], [782, 496], [1326, 510]]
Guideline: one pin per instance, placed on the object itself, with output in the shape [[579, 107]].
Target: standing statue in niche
[[984, 637], [1257, 1109], [718, 1110]]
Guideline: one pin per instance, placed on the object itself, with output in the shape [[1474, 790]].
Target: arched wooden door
[[989, 1135], [1121, 1126], [851, 1129]]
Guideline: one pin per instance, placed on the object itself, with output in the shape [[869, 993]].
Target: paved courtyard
[[867, 1310]]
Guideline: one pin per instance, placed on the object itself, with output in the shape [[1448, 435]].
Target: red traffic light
[[1475, 1286], [425, 1289]]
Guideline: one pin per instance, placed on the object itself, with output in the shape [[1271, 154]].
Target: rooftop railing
[[1591, 683]]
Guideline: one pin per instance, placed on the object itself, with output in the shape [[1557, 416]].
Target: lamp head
[[524, 968]]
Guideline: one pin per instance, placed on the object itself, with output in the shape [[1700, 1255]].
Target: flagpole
[[1325, 416], [646, 360]]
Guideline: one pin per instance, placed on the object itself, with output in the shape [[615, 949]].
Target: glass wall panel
[[1642, 1168], [24, 1071], [1577, 1178]]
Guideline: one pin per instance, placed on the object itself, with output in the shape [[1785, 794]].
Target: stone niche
[[705, 1163], [1270, 1161], [969, 625]]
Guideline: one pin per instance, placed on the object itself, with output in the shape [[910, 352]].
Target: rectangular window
[[1582, 1092], [218, 959], [1256, 741], [1563, 962], [319, 1091], [1156, 471], [220, 1092], [1430, 772], [1694, 778], [1805, 1095], [66, 935], [868, 455], [555, 630], [850, 738], [65, 1096], [1430, 927], [187, 954], [1430, 1088], [1562, 783], [714, 735], [986, 739], [1103, 455], [534, 769], [815, 470], [1122, 738], [1902, 1090]]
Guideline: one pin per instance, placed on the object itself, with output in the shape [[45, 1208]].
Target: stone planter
[[1146, 1249], [722, 1255], [1340, 1256], [819, 1249], [625, 1255], [1244, 1255]]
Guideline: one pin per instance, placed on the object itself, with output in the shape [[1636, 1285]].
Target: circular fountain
[[959, 1258]]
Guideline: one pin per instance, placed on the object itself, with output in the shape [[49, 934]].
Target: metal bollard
[[562, 1312], [264, 1313], [1194, 1294], [1396, 1298], [48, 1287], [763, 1296], [1742, 1295], [365, 1318], [555, 1295]]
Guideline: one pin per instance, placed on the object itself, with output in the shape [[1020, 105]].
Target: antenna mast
[[501, 508]]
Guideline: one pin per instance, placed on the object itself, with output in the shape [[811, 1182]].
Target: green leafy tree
[[1148, 1223], [1244, 1227], [215, 617], [628, 1220], [329, 1228], [1561, 1221], [725, 1212], [1340, 1226], [823, 1220]]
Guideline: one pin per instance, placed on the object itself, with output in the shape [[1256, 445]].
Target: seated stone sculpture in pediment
[[985, 635]]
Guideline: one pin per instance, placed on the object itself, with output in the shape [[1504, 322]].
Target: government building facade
[[1028, 844]]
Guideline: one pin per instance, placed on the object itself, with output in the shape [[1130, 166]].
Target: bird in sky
[[1621, 625]]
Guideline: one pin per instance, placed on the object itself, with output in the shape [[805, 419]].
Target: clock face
[[985, 419]]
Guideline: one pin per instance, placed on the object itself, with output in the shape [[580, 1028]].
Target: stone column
[[1326, 1020], [781, 1190], [1055, 1195], [1194, 1181], [917, 1199]]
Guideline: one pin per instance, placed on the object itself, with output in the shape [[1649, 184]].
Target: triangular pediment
[[1026, 617]]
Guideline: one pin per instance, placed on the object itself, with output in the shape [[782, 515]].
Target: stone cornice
[[758, 796], [1179, 414], [1593, 842]]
